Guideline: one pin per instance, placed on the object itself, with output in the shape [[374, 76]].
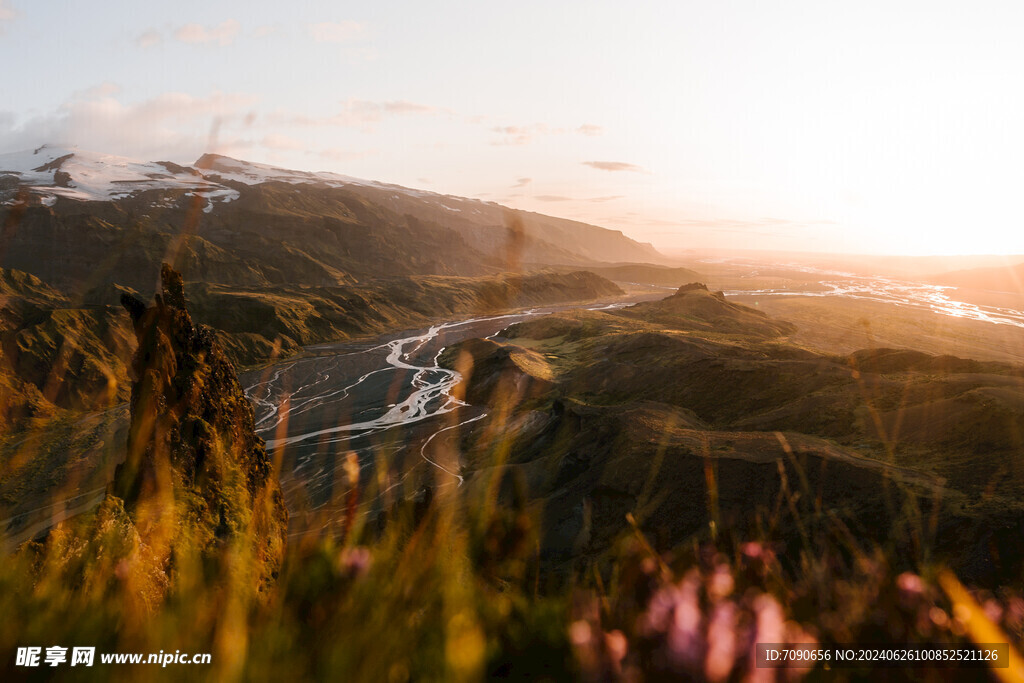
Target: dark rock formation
[[196, 476]]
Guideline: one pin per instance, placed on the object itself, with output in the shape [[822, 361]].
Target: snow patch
[[88, 176], [70, 173]]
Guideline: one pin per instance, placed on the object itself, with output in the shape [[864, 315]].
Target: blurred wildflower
[[354, 562]]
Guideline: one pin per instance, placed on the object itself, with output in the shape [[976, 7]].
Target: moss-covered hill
[[695, 415]]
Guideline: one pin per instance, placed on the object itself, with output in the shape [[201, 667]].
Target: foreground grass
[[454, 591], [453, 585]]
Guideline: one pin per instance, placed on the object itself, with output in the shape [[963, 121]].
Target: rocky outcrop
[[693, 307], [196, 481]]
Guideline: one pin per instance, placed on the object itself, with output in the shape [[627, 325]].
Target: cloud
[[399, 107], [522, 135], [104, 89], [232, 147], [7, 14], [525, 134], [633, 218], [359, 114], [522, 182], [264, 31], [150, 38], [169, 125], [282, 142], [223, 34], [519, 130], [760, 226], [338, 154], [563, 198], [336, 31], [614, 166]]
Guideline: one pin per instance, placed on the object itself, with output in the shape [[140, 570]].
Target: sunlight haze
[[871, 127]]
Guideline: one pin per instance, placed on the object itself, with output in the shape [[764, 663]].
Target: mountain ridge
[[287, 226]]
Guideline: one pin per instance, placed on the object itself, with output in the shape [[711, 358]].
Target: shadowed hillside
[[640, 473], [692, 413], [195, 506], [57, 355], [232, 222]]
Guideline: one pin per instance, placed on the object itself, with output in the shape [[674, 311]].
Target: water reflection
[[915, 295]]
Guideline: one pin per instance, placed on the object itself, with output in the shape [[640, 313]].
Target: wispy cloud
[[633, 218], [398, 107], [359, 114], [277, 141], [150, 38], [339, 154], [763, 226], [614, 166], [522, 182], [96, 119], [519, 135], [336, 31], [524, 134], [7, 14], [264, 31], [223, 34], [104, 89], [563, 198]]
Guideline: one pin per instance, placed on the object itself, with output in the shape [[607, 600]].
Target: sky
[[863, 127]]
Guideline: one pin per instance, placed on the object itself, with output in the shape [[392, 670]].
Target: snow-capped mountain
[[49, 172], [249, 223]]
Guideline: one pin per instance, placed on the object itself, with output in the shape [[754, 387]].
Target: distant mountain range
[[81, 220], [996, 279]]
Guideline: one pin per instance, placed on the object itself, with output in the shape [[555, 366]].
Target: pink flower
[[910, 583], [355, 562], [684, 635], [721, 654]]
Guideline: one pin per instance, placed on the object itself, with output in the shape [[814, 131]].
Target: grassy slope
[[645, 402], [840, 325]]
